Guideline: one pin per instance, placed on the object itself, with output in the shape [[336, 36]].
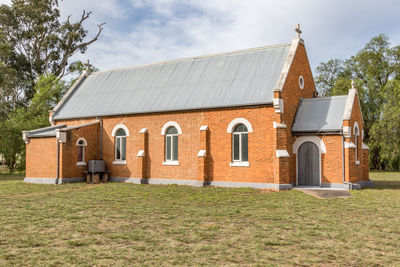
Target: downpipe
[[58, 161], [343, 165], [350, 185], [101, 138]]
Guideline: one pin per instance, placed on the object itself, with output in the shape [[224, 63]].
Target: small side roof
[[323, 114], [51, 130], [44, 132]]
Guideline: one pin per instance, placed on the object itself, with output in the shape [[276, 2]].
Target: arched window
[[356, 133], [240, 143], [120, 145], [171, 144], [80, 144]]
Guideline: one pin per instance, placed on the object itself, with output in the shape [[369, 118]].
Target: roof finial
[[87, 64], [297, 29], [352, 84]]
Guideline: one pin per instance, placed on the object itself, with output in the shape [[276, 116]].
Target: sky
[[147, 31]]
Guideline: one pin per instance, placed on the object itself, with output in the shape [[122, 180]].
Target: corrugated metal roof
[[245, 77], [45, 132], [320, 114]]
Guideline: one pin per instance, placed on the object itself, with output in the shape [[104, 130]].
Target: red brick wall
[[356, 171], [291, 95], [332, 160], [261, 144], [69, 150], [365, 165], [41, 158]]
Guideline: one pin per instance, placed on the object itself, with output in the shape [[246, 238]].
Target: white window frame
[[301, 82], [120, 126], [81, 163], [168, 125], [237, 121], [240, 161], [120, 160], [171, 161], [356, 132]]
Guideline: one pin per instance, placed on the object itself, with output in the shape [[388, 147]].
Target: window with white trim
[[356, 134], [80, 144], [240, 143], [171, 144], [120, 145], [301, 82]]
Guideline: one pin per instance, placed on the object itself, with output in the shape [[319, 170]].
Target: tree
[[35, 43], [372, 68], [386, 132], [49, 91], [35, 47]]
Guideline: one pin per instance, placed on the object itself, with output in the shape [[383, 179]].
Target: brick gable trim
[[350, 103], [288, 64]]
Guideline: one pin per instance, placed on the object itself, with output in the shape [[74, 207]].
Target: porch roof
[[323, 114]]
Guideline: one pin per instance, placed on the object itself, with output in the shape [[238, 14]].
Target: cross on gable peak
[[87, 64], [297, 30]]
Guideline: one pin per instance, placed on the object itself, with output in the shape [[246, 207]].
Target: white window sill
[[119, 162], [357, 162], [81, 163], [171, 163], [239, 164]]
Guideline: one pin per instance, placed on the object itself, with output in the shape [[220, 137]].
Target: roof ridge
[[325, 98], [194, 57]]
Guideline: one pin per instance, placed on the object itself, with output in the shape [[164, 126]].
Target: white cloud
[[146, 31]]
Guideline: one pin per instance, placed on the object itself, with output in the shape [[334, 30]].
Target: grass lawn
[[119, 224]]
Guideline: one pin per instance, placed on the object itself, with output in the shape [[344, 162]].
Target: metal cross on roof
[[352, 84], [297, 29], [87, 64]]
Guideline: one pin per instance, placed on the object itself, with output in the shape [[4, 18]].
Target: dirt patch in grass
[[64, 189], [326, 194], [266, 191]]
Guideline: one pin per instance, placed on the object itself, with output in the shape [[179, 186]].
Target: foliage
[[39, 43], [49, 91], [372, 68], [387, 129], [34, 43]]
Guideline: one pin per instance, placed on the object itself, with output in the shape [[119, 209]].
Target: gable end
[[288, 63]]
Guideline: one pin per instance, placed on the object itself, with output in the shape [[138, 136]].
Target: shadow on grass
[[10, 177], [386, 184]]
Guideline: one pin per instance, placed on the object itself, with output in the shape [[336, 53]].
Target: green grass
[[119, 224]]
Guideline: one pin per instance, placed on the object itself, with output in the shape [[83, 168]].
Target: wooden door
[[308, 165]]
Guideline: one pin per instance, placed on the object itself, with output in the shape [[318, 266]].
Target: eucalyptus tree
[[373, 69], [36, 45], [33, 42]]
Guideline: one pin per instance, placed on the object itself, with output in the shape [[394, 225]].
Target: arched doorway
[[308, 165]]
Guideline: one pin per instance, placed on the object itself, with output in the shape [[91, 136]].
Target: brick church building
[[248, 118]]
